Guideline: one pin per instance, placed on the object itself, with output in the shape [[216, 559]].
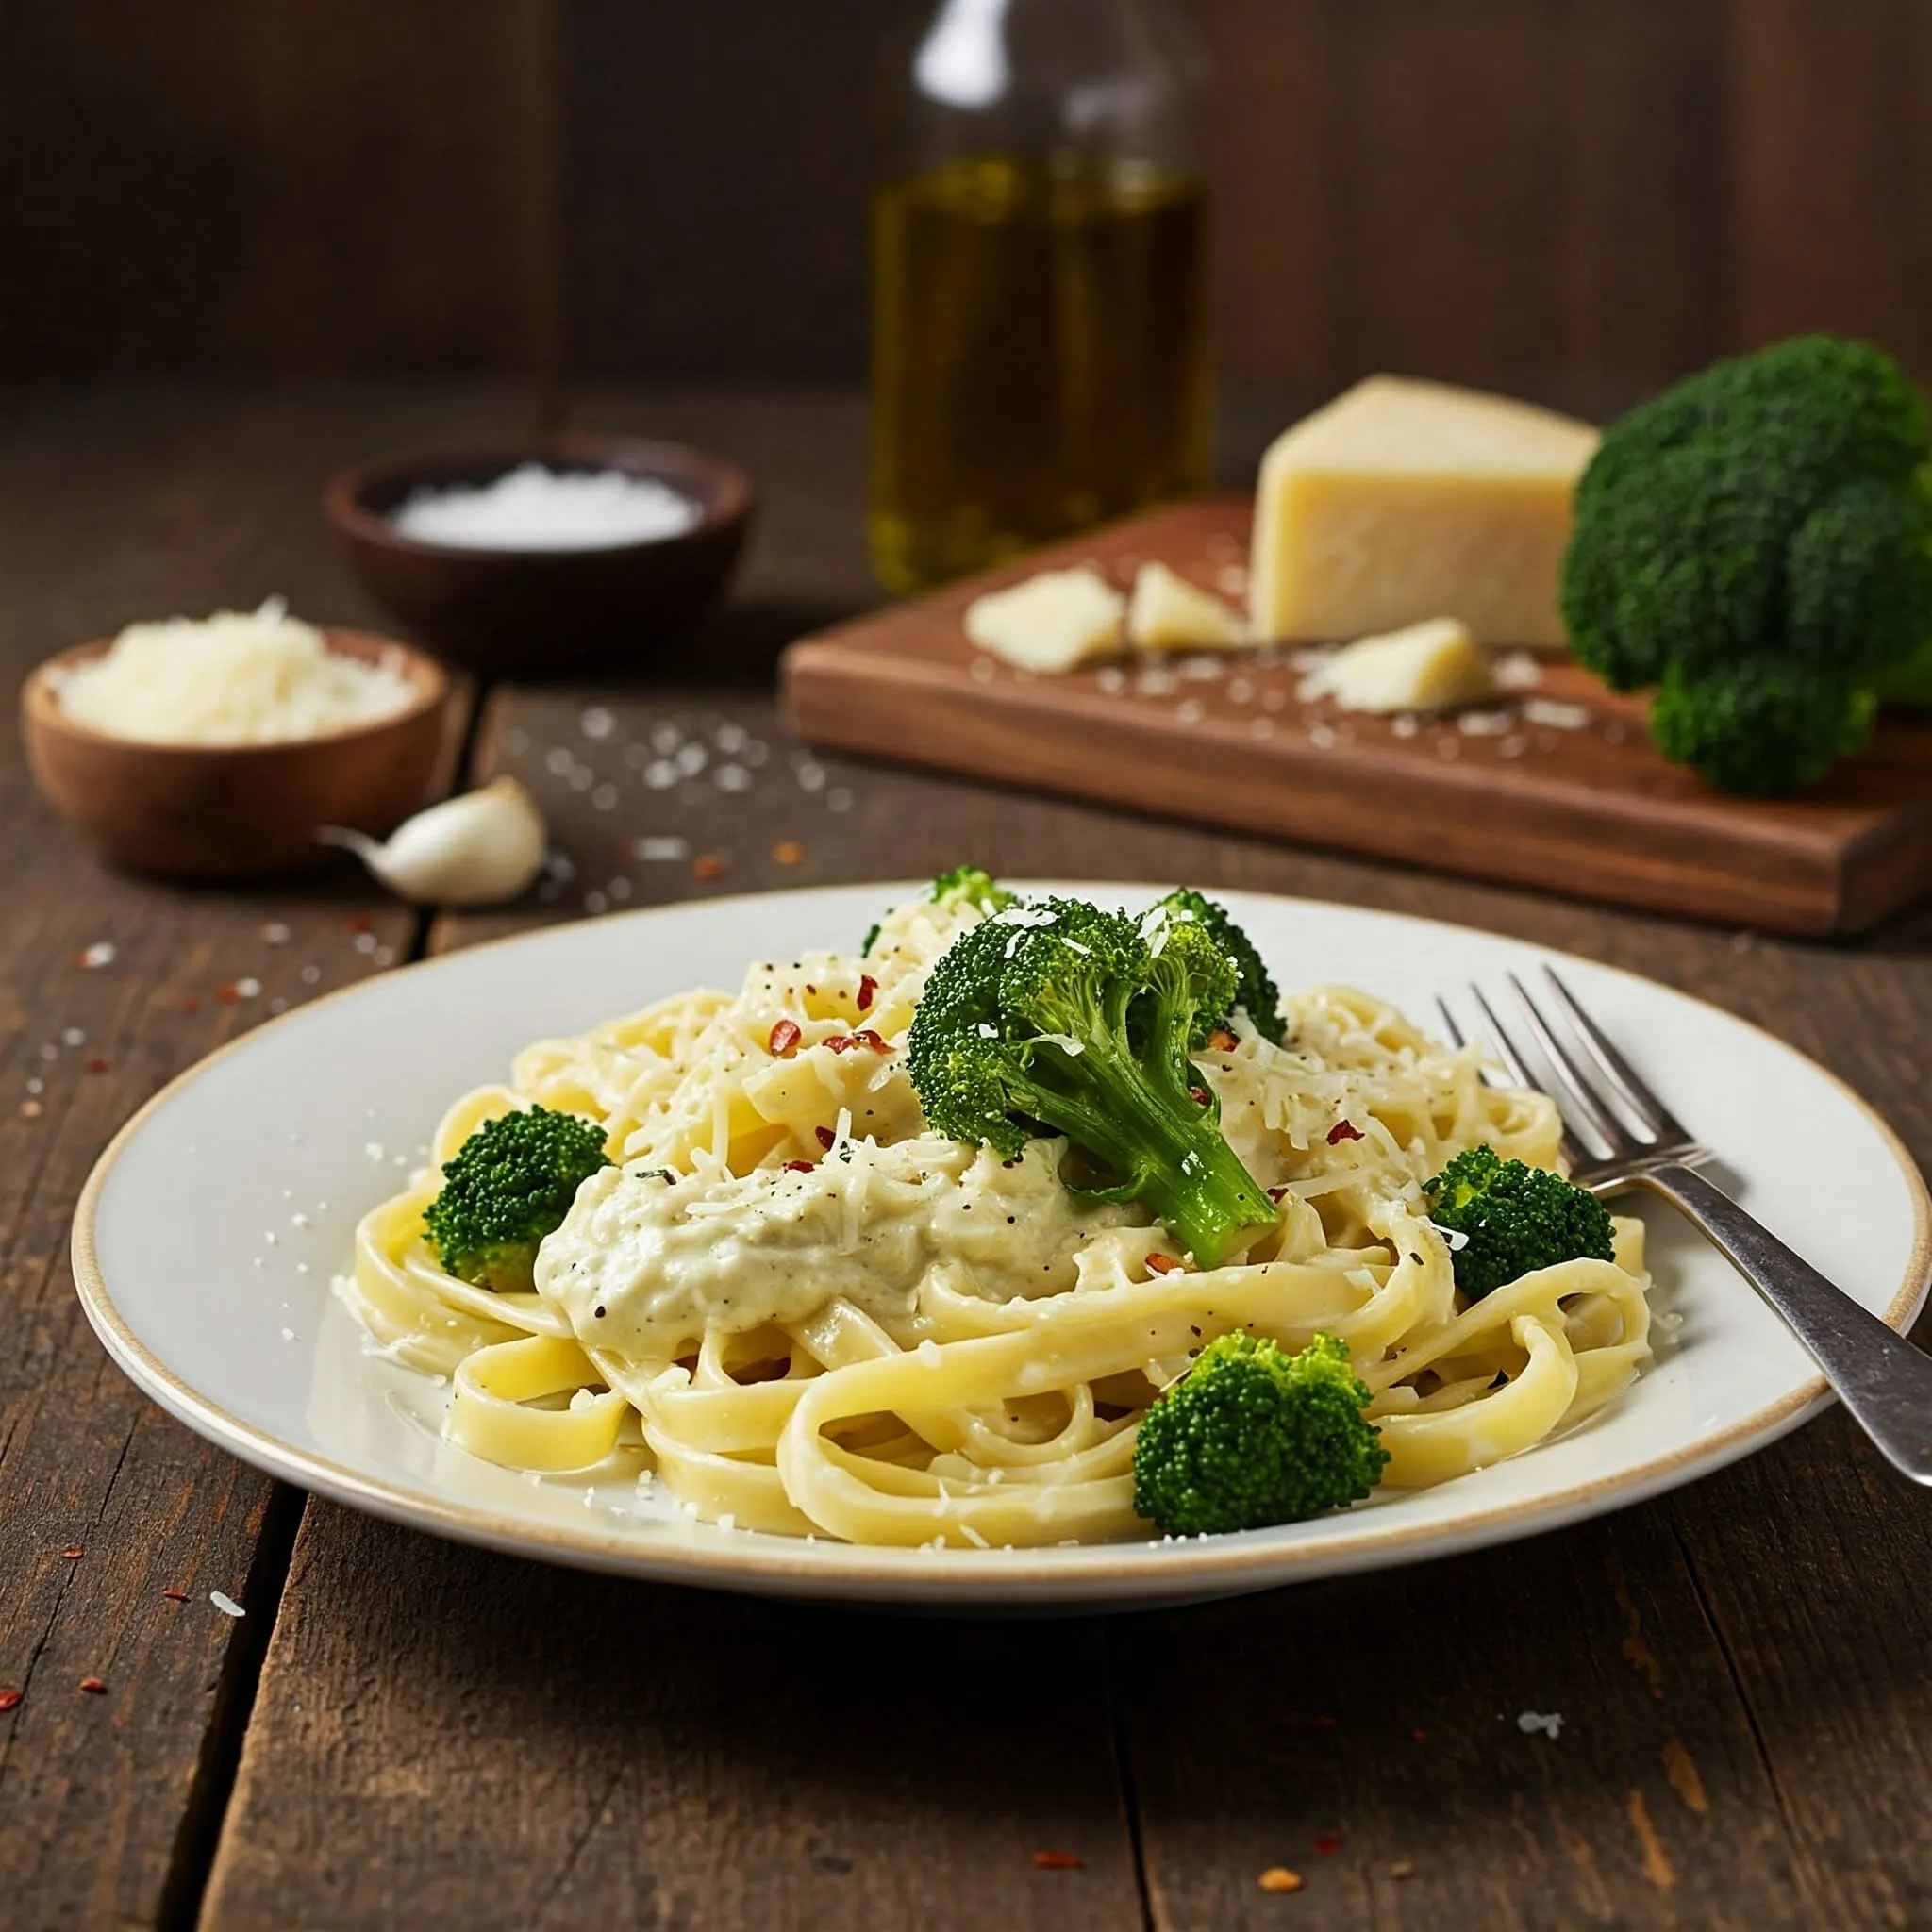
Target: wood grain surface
[[1588, 807], [452, 1737]]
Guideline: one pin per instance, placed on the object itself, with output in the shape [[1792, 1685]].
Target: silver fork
[[1618, 1135]]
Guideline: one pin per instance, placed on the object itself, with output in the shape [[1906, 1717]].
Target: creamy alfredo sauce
[[646, 1259]]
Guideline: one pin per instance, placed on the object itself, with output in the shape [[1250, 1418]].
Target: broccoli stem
[[1142, 1122]]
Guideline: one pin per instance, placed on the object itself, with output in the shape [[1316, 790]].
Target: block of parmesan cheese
[[1406, 500], [1052, 621], [1167, 613], [1432, 666]]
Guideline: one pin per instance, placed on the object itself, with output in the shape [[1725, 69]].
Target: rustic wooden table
[[400, 1730]]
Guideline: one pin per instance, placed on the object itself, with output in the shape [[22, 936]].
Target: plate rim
[[1188, 1568]]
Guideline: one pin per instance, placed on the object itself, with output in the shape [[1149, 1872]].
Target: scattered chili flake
[[868, 991], [98, 1063], [9, 1699], [94, 1687], [1198, 1095], [1161, 1264], [800, 1167], [1343, 1130], [841, 1042], [866, 1038], [175, 1596], [826, 1138], [1326, 1845], [1280, 1878], [360, 921], [229, 995], [1222, 1041], [191, 1004], [707, 865], [785, 1034], [73, 1551], [788, 850], [1059, 1861]]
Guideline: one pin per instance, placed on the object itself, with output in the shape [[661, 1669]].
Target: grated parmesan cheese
[[238, 677]]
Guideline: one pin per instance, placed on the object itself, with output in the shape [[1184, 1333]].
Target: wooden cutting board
[[1556, 787]]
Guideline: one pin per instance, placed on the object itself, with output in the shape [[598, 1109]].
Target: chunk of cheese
[[1428, 667], [1052, 621], [1401, 500], [1167, 613]]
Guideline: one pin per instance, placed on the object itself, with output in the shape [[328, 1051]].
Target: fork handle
[[1878, 1374]]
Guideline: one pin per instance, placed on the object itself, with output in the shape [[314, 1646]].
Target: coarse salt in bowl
[[535, 507]]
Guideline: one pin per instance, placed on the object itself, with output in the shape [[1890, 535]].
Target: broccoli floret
[[965, 885], [1767, 520], [1517, 1218], [507, 1187], [1255, 990], [1061, 1017], [1254, 1436], [1759, 729]]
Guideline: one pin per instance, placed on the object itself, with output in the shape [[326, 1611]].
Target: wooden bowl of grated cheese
[[220, 757]]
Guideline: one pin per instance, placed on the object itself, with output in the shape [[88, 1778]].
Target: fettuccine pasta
[[806, 1313]]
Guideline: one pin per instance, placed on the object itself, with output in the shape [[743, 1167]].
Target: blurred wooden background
[[1548, 193]]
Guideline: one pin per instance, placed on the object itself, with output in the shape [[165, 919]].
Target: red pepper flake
[[868, 991], [1326, 1845], [801, 1167], [707, 865], [788, 850], [826, 1138], [866, 1038], [1343, 1130], [98, 1063], [1280, 1193], [9, 1699], [1198, 1095], [1059, 1861], [73, 1551], [229, 995], [841, 1042], [1222, 1041], [175, 1596], [191, 1004], [1280, 1878], [94, 1687], [1417, 1735], [360, 921], [1161, 1264], [785, 1037]]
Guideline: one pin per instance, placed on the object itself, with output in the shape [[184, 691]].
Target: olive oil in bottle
[[1039, 317]]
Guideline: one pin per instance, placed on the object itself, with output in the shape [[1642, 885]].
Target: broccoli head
[[965, 885], [1062, 1017], [507, 1187], [1254, 1436], [1765, 520], [1255, 990], [1516, 1218]]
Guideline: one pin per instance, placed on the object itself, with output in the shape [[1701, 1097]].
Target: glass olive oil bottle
[[1039, 251]]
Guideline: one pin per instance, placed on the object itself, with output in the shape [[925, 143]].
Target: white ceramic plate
[[207, 1234]]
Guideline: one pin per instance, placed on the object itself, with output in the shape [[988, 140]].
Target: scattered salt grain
[[1550, 1722], [1189, 711], [226, 1603], [660, 774], [249, 989], [692, 759], [532, 507], [812, 776], [310, 975], [661, 851], [1483, 723], [1111, 678], [603, 798], [1559, 717], [558, 760], [1405, 724], [599, 721], [73, 1036], [732, 779], [1518, 670], [838, 799], [98, 955], [275, 934]]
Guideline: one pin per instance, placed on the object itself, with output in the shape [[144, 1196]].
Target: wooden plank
[[229, 186], [112, 508], [1593, 810], [1832, 148]]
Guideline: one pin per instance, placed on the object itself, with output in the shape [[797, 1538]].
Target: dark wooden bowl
[[544, 613], [226, 810]]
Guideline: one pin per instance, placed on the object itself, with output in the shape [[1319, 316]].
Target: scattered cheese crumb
[[1052, 621], [1167, 613], [1426, 667]]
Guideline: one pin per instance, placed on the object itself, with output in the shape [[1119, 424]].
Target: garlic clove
[[480, 849]]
